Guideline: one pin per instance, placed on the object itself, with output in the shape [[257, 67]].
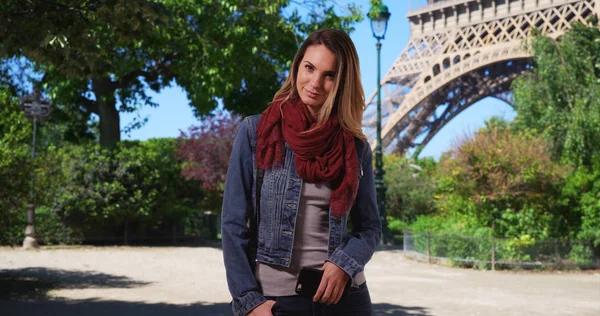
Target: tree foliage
[[581, 195], [410, 187], [136, 183], [15, 166], [503, 176], [560, 100], [205, 150], [560, 97], [102, 57]]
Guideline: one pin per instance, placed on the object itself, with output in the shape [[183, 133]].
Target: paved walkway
[[190, 281]]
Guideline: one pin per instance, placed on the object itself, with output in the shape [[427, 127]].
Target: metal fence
[[195, 228], [495, 253]]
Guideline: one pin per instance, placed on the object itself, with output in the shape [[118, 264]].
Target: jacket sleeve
[[358, 248], [237, 197]]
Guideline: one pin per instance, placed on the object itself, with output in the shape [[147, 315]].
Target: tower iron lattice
[[459, 52]]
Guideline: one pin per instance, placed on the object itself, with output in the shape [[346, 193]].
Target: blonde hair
[[347, 93]]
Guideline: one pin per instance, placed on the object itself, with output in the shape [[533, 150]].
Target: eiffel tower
[[459, 52]]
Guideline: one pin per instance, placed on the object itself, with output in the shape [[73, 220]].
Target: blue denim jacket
[[280, 195]]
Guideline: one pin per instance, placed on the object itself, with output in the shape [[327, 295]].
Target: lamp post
[[379, 27], [35, 109]]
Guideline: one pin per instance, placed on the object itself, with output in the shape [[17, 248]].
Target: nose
[[316, 83]]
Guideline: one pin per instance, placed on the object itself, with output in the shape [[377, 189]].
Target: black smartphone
[[308, 282]]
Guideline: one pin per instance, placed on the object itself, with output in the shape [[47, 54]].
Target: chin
[[310, 101]]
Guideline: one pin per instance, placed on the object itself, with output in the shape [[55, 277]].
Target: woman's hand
[[332, 284], [263, 309]]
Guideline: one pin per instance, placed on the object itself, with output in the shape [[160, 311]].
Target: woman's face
[[316, 75]]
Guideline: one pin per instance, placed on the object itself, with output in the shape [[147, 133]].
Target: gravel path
[[178, 281]]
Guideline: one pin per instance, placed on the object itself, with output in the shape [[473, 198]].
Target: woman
[[318, 173]]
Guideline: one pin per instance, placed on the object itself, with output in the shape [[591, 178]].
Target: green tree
[[15, 129], [15, 167], [205, 150], [410, 187], [560, 100], [581, 195], [121, 190], [101, 57], [506, 177], [560, 97]]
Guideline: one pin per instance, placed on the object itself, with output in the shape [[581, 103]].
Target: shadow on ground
[[396, 310], [92, 307], [25, 292], [30, 284], [117, 308]]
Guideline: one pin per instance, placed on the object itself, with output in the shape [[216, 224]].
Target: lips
[[311, 94]]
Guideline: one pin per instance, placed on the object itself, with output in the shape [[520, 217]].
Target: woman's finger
[[320, 290], [334, 295], [330, 285], [341, 289]]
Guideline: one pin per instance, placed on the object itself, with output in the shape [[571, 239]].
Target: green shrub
[[409, 187], [15, 184], [16, 169], [581, 254], [138, 182], [503, 176], [396, 226], [51, 229], [515, 249], [454, 237]]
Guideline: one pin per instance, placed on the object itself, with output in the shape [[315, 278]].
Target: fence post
[[429, 247], [125, 234], [493, 251], [64, 231], [404, 248], [174, 231]]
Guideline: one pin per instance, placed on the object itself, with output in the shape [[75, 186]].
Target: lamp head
[[379, 22]]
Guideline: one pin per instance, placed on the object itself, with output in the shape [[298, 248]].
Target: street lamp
[[379, 27], [35, 109]]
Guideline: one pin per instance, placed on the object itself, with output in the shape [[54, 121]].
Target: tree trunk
[[110, 129]]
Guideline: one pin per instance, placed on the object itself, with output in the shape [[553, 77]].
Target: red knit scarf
[[324, 154]]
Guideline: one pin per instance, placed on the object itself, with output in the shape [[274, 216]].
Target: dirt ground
[[181, 281]]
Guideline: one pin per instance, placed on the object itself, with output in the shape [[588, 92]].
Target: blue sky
[[174, 113]]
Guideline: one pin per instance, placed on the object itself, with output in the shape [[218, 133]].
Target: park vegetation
[[529, 182], [95, 59], [525, 182]]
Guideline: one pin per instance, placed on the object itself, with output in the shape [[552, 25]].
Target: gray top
[[310, 243]]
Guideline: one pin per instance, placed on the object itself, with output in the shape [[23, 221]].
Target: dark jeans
[[356, 303]]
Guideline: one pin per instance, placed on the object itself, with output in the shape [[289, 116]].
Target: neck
[[313, 113]]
